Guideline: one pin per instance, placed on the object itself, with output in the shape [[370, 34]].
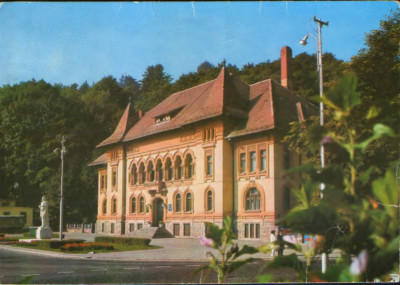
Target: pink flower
[[205, 241], [359, 263], [326, 140]]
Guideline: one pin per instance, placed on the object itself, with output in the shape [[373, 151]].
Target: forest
[[34, 115]]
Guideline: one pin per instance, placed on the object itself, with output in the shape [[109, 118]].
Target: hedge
[[56, 243], [86, 246], [123, 240]]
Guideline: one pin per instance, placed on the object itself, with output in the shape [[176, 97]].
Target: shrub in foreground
[[86, 246]]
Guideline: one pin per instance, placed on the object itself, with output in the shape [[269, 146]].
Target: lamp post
[[324, 258], [62, 151]]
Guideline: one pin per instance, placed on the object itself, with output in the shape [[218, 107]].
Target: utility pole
[[62, 151], [324, 257]]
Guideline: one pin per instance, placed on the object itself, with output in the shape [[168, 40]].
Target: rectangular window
[[114, 178], [102, 227], [131, 227], [209, 164], [257, 230], [242, 163], [139, 226], [23, 214], [286, 158], [186, 230], [252, 161], [246, 230], [251, 230], [112, 228], [207, 229], [263, 160], [177, 230]]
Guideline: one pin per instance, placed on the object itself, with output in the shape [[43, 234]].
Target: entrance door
[[158, 212]]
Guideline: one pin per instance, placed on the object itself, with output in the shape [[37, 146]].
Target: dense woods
[[34, 115]]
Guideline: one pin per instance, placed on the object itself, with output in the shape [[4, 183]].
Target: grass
[[117, 248]]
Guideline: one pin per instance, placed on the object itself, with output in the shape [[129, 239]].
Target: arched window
[[209, 200], [189, 166], [142, 173], [133, 205], [114, 206], [188, 203], [178, 203], [253, 199], [141, 205], [105, 206], [133, 174], [150, 171], [159, 170], [168, 169], [178, 168]]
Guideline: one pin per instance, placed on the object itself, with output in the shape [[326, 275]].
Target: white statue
[[44, 232], [44, 212]]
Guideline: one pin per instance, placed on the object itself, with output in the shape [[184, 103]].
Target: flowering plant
[[222, 241]]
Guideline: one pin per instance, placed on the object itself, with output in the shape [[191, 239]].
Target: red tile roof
[[262, 106], [102, 159], [124, 124]]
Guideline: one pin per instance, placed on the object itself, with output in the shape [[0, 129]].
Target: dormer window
[[166, 117]]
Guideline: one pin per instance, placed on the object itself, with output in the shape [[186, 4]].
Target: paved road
[[16, 266]]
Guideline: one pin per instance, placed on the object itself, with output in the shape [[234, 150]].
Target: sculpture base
[[44, 233]]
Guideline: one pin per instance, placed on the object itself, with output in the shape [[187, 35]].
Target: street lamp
[[324, 259], [62, 151]]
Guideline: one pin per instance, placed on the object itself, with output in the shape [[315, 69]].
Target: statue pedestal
[[44, 233]]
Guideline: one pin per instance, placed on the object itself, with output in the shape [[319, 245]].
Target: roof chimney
[[140, 114], [286, 67]]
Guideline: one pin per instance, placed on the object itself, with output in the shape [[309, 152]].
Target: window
[[141, 205], [186, 230], [104, 207], [140, 226], [150, 171], [286, 199], [114, 206], [178, 203], [253, 200], [102, 227], [178, 168], [131, 227], [102, 182], [207, 229], [242, 163], [286, 158], [189, 167], [252, 230], [114, 178], [134, 174], [252, 161], [209, 200], [263, 160], [133, 205], [176, 230], [142, 173], [112, 228], [159, 170], [209, 165], [188, 202], [168, 169]]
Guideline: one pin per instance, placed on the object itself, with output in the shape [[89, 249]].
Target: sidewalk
[[173, 249]]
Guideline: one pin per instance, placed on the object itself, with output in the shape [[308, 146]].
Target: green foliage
[[123, 240], [359, 212], [222, 241]]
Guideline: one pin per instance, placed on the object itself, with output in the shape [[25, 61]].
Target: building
[[201, 154], [14, 217]]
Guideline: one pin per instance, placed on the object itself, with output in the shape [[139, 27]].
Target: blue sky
[[74, 42]]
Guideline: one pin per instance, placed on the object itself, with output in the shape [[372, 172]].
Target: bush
[[123, 240], [56, 243], [4, 239], [86, 246]]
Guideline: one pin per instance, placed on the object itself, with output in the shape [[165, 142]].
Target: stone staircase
[[151, 232]]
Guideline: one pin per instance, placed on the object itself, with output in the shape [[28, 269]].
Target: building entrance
[[158, 211]]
